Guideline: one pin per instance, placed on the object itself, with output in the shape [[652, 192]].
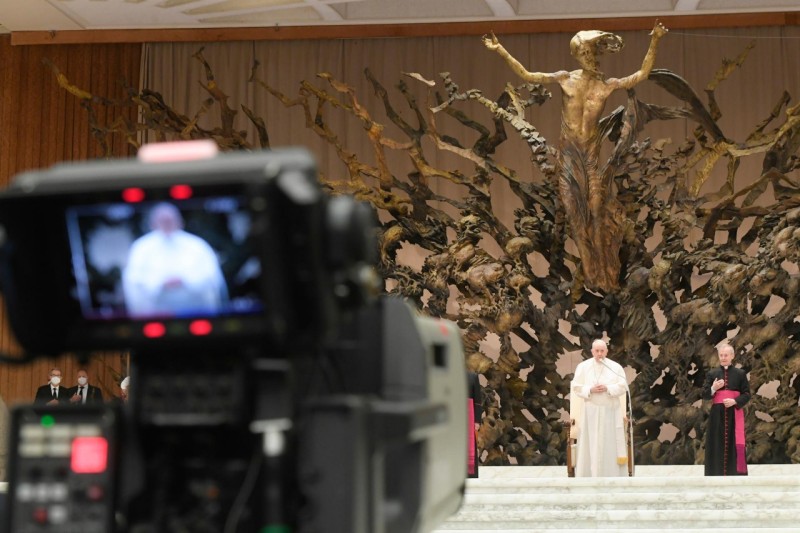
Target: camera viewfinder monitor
[[191, 258], [125, 254]]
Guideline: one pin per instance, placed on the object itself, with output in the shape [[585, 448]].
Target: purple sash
[[470, 436], [738, 419]]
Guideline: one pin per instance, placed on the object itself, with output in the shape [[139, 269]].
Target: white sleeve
[[578, 386], [139, 284]]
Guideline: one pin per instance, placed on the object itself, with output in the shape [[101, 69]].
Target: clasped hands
[[718, 384], [599, 388]]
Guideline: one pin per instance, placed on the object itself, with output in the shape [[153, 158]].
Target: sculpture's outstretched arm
[[493, 43], [629, 82]]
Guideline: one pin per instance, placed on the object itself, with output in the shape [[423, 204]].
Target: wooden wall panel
[[41, 124]]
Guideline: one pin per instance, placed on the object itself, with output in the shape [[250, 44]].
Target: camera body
[[265, 211], [270, 388]]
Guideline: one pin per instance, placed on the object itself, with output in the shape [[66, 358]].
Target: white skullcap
[[125, 383]]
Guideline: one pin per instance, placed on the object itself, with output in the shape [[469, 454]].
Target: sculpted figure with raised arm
[[596, 217]]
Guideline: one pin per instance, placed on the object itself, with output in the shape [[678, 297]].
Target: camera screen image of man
[[599, 384], [172, 272]]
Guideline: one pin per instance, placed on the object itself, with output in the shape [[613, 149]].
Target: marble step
[[784, 520], [617, 529], [659, 498], [671, 484], [642, 471], [760, 498]]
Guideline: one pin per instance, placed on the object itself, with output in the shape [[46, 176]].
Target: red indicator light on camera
[[153, 330], [89, 455], [199, 328], [133, 195], [181, 192]]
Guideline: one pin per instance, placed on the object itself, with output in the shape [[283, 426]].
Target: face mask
[[82, 381], [55, 380]]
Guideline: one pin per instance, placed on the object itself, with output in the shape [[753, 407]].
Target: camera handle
[[273, 454]]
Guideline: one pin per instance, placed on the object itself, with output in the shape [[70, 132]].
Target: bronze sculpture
[[597, 220]]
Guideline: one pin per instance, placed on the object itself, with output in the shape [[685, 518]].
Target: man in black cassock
[[729, 391], [475, 412]]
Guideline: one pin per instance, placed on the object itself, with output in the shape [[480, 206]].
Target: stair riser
[[540, 500], [636, 500]]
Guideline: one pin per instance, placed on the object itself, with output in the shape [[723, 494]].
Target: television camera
[[271, 391]]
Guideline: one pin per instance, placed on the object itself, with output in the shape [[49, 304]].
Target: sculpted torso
[[585, 90], [584, 98]]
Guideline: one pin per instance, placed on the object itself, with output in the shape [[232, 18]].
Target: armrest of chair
[[570, 442]]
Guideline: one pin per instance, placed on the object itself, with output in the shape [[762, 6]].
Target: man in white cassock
[[599, 388], [170, 271]]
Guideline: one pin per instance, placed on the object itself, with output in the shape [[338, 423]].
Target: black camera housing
[[298, 403], [291, 297]]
